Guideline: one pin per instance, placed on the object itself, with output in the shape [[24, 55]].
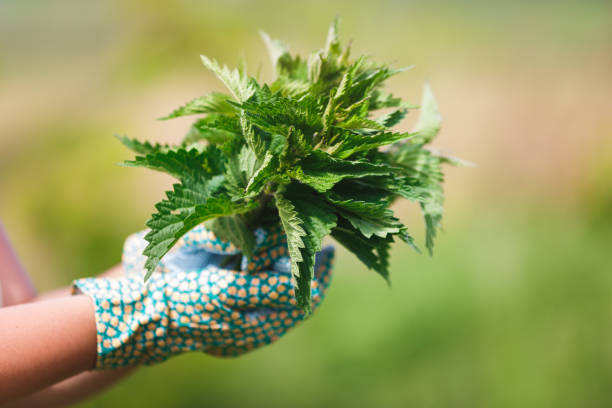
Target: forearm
[[15, 285], [43, 343], [17, 288]]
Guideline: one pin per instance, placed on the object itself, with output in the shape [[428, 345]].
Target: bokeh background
[[515, 307]]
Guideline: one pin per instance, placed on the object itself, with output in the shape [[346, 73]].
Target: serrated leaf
[[352, 143], [232, 228], [288, 87], [370, 218], [235, 80], [363, 124], [380, 100], [315, 221], [432, 208], [392, 118], [185, 207], [373, 251], [275, 113], [428, 124], [214, 102], [322, 171], [314, 66], [142, 147], [263, 174], [292, 225], [182, 163], [332, 44], [276, 48]]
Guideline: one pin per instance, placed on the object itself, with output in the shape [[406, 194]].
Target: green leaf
[[428, 124], [187, 206], [392, 118], [314, 66], [235, 80], [380, 100], [182, 163], [363, 124], [293, 227], [352, 143], [307, 230], [239, 170], [432, 208], [263, 174], [321, 171], [233, 228], [370, 218], [332, 44], [287, 87], [372, 251], [214, 102], [142, 147], [274, 113], [276, 48]]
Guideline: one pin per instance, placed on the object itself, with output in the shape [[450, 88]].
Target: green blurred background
[[514, 309]]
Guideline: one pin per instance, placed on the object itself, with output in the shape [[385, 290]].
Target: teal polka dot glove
[[192, 302]]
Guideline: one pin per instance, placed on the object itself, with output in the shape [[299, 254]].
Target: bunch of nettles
[[303, 151]]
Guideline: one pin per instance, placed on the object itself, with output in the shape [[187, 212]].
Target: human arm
[[43, 343], [228, 293], [17, 288], [80, 386], [71, 390]]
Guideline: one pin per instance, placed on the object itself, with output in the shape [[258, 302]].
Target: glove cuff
[[131, 320]]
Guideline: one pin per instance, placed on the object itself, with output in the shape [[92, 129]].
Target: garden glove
[[193, 302]]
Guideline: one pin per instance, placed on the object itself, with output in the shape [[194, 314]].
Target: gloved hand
[[193, 302]]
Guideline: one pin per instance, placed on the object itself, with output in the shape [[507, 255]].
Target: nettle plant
[[310, 150]]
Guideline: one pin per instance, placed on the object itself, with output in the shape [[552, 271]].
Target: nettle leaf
[[182, 163], [424, 171], [321, 171], [241, 86], [310, 150], [287, 87], [370, 218], [293, 227], [276, 48], [380, 100], [363, 124], [332, 44], [188, 205], [215, 129], [232, 228], [432, 212], [430, 119], [143, 147], [277, 112], [352, 143], [239, 170], [392, 118], [214, 102], [315, 61], [263, 174], [372, 251], [307, 219]]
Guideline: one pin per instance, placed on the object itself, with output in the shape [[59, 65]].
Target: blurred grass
[[513, 309]]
